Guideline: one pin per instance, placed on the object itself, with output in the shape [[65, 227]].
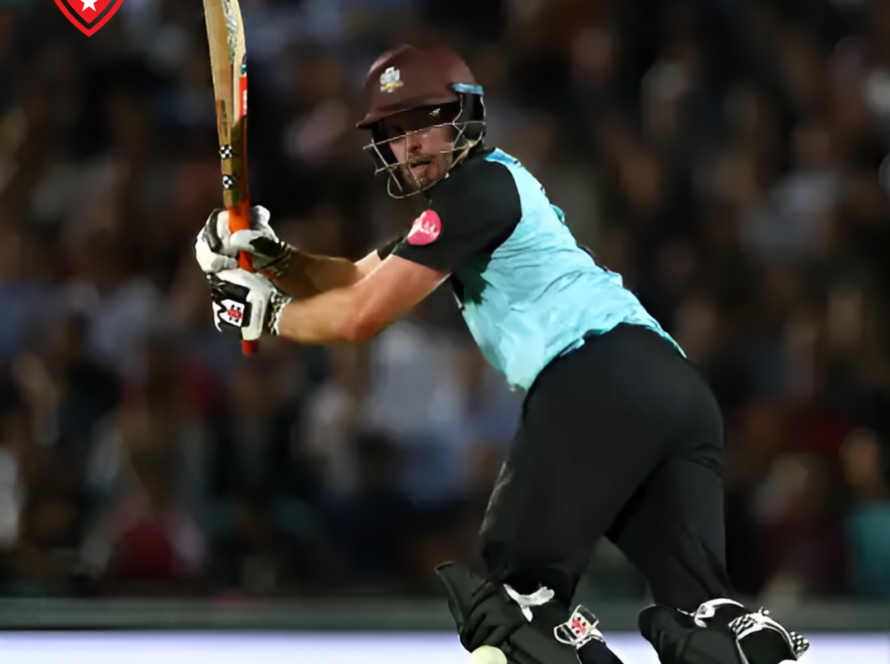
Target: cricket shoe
[[762, 639], [580, 631], [678, 639]]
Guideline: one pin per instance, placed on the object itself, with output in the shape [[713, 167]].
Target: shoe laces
[[759, 620]]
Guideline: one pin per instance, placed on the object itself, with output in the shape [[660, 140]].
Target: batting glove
[[216, 247], [492, 617], [245, 303]]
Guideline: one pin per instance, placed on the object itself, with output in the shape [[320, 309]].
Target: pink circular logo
[[426, 228]]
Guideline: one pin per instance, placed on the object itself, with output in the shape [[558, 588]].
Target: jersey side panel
[[539, 293]]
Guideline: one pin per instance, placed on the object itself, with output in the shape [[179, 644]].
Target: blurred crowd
[[727, 157]]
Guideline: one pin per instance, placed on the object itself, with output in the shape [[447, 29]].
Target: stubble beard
[[418, 182]]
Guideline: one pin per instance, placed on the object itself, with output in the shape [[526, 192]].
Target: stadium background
[[726, 156]]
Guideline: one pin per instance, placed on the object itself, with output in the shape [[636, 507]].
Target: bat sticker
[[232, 27]]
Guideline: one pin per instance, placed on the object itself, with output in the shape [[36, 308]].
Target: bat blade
[[228, 62]]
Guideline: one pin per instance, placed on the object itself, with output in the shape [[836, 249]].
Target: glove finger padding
[[491, 618], [259, 224], [259, 220], [251, 241], [493, 636], [216, 247], [210, 247], [269, 254]]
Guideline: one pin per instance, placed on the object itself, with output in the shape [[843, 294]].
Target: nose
[[415, 142]]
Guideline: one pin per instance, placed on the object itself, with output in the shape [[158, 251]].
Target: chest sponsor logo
[[426, 229]]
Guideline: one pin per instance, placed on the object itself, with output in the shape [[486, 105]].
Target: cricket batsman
[[619, 435]]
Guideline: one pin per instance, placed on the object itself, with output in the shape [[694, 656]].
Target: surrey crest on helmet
[[390, 80]]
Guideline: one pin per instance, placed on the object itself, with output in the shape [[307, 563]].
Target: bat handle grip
[[239, 220]]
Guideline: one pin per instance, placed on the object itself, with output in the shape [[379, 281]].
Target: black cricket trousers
[[623, 438]]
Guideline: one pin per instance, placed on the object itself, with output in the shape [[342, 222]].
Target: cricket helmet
[[410, 77]]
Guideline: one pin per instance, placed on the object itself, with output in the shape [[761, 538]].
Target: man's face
[[424, 152]]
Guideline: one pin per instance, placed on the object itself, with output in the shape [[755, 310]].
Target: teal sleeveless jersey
[[538, 293]]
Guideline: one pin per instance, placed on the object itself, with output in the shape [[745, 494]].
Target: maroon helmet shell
[[411, 77]]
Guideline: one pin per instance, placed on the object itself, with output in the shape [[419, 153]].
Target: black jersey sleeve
[[477, 207], [384, 251]]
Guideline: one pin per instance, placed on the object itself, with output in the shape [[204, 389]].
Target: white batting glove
[[245, 303], [216, 247]]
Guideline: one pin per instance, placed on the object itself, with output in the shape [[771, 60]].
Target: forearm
[[337, 315], [359, 311], [308, 275]]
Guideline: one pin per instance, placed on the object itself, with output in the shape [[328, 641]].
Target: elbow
[[360, 327]]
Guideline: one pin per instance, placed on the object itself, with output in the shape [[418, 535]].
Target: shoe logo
[[579, 625], [579, 629]]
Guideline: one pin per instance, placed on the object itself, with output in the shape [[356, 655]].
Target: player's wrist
[[277, 302]]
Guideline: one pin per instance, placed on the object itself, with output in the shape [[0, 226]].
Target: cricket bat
[[228, 61]]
